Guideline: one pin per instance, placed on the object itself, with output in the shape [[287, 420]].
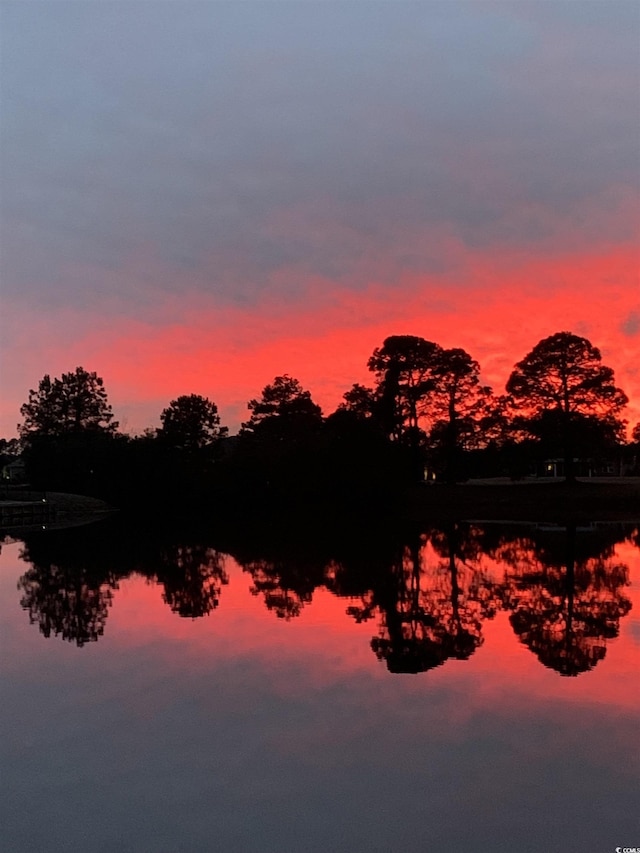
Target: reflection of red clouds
[[324, 649], [325, 646], [241, 626], [497, 307]]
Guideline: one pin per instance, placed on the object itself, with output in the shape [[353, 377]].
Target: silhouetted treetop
[[405, 368], [359, 400], [564, 373], [410, 356], [75, 402], [285, 400], [456, 407], [458, 388], [191, 422]]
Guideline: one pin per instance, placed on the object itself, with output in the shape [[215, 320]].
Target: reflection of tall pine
[[566, 603], [68, 587], [430, 611]]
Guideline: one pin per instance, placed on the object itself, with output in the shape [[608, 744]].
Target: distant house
[[604, 466], [14, 472], [551, 468]]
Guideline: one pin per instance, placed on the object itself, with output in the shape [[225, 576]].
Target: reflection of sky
[[241, 732], [197, 196]]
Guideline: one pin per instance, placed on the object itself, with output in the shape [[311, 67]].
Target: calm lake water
[[473, 688]]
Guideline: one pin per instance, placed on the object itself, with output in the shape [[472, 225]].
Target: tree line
[[425, 414]]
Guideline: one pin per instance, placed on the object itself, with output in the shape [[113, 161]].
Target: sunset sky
[[196, 197]]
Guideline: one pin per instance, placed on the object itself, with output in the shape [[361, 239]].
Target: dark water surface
[[472, 688]]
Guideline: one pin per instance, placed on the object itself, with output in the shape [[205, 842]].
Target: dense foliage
[[191, 422], [563, 380], [427, 416], [75, 402]]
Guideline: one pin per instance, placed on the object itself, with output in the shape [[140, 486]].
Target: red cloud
[[496, 306]]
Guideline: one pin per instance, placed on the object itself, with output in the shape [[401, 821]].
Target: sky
[[197, 197]]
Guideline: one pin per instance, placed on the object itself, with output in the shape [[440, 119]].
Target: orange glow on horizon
[[495, 306]]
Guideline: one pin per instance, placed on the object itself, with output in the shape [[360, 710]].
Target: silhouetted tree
[[500, 444], [632, 452], [277, 448], [191, 422], [9, 451], [357, 457], [75, 402], [456, 407], [405, 367], [564, 373], [360, 401], [9, 448], [68, 432], [285, 407]]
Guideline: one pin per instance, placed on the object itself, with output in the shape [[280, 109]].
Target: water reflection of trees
[[285, 578], [431, 601], [192, 577], [430, 598], [428, 593], [67, 590], [566, 594]]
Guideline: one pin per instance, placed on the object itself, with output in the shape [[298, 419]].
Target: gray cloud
[[631, 324], [236, 140]]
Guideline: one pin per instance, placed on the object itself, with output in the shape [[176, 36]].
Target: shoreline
[[586, 500], [553, 502]]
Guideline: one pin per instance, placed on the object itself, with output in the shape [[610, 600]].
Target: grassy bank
[[557, 502], [582, 501]]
